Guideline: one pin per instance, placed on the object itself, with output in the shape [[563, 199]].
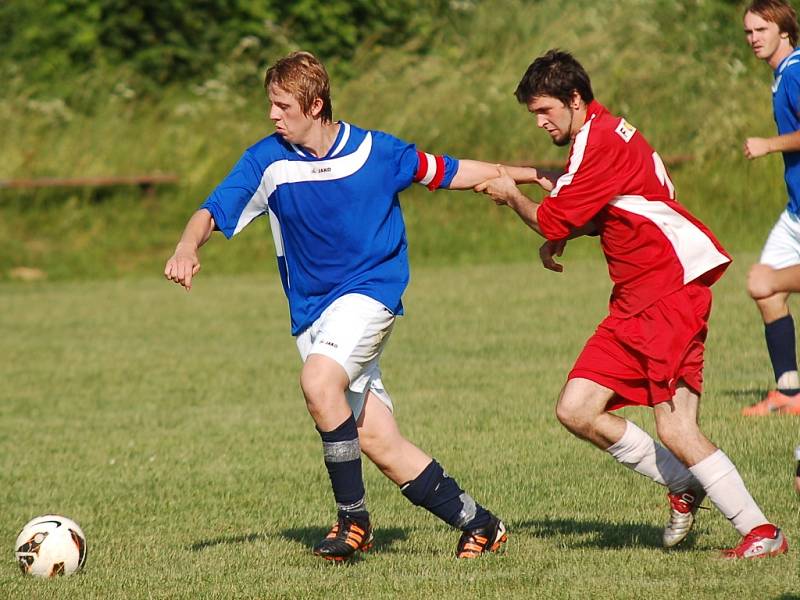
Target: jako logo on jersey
[[323, 170], [625, 130]]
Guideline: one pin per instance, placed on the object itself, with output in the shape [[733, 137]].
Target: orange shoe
[[773, 403], [792, 407], [346, 537], [482, 540]]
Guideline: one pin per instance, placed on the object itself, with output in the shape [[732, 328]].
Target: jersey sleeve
[[414, 166], [792, 83], [239, 198], [588, 185]]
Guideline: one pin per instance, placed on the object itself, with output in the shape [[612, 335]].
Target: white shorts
[[353, 331], [782, 248]]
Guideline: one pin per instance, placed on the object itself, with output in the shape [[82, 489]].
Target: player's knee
[[318, 389], [571, 416]]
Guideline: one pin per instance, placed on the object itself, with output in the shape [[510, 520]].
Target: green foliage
[[179, 40]]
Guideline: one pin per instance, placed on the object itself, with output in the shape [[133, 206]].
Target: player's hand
[[182, 266], [546, 184], [755, 147], [548, 251], [760, 281], [501, 189]]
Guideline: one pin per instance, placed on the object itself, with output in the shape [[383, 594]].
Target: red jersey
[[653, 245]]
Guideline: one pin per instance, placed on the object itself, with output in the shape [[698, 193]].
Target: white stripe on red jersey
[[652, 244], [695, 250]]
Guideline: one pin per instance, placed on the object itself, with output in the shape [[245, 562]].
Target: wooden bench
[[147, 183]]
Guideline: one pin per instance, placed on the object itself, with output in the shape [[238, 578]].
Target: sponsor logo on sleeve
[[625, 130]]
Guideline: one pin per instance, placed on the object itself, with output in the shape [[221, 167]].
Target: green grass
[[171, 427]]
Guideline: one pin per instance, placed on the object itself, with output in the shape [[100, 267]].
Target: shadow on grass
[[309, 536], [231, 539], [599, 534]]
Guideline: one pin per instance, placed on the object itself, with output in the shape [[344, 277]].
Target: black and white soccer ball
[[50, 545]]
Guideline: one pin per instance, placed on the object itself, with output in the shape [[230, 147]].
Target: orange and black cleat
[[346, 537], [480, 540]]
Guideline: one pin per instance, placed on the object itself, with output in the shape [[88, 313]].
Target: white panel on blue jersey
[[296, 171]]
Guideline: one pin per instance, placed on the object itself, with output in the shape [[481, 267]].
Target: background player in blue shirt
[[330, 190], [772, 31], [764, 281]]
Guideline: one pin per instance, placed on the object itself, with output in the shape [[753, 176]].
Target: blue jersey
[[786, 107], [336, 220]]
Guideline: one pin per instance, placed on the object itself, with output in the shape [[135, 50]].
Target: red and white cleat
[[764, 540]]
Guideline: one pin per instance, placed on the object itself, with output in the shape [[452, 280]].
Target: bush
[[178, 40]]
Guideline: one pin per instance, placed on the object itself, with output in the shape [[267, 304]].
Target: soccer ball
[[50, 545]]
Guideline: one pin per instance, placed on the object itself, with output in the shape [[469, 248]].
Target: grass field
[[171, 427]]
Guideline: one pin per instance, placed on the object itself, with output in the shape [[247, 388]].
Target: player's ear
[[575, 101], [316, 108]]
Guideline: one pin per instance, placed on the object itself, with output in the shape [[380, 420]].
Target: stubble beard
[[565, 139]]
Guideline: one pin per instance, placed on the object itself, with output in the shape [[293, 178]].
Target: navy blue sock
[[781, 347], [437, 492], [343, 460]]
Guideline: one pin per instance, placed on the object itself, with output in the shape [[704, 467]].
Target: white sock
[[725, 488], [788, 381], [640, 452]]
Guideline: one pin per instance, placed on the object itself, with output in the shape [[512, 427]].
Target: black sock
[[439, 493], [780, 338], [343, 460]]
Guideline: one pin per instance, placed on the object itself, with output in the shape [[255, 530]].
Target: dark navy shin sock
[[781, 347], [343, 460], [437, 492]]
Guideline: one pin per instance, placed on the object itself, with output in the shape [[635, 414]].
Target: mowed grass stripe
[[172, 428]]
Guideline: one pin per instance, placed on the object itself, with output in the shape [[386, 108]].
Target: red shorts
[[642, 358]]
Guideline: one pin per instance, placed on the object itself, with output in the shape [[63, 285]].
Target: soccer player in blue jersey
[[762, 282], [330, 190], [771, 30]]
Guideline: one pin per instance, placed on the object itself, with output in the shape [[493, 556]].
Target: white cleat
[[682, 508]]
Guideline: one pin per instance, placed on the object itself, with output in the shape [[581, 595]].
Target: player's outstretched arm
[[473, 172], [755, 147], [763, 281], [503, 190], [185, 262]]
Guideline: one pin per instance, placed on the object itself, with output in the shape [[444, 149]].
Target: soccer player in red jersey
[[649, 350]]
